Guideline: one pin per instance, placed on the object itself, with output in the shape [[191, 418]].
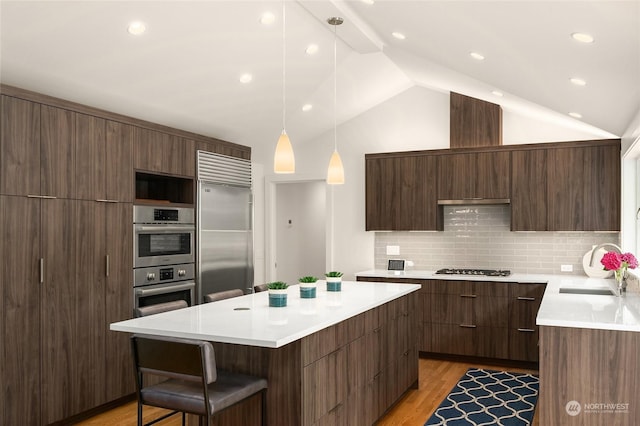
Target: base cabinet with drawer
[[476, 318]]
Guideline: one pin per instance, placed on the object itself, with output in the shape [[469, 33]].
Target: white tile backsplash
[[479, 237]]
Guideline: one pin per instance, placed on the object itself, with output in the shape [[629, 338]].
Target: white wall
[[416, 119]]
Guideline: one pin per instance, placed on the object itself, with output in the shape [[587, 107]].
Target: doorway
[[300, 230]]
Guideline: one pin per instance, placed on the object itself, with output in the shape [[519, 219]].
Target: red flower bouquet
[[619, 263]]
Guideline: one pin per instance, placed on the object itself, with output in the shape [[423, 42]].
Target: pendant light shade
[[335, 172], [284, 160]]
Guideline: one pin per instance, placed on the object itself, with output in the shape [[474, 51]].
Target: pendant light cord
[[284, 68], [335, 87]]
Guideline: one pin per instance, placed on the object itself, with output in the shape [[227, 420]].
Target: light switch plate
[[393, 250]]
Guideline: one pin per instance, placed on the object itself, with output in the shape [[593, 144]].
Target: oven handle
[[164, 228], [168, 289]]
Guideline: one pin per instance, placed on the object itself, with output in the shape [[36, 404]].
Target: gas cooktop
[[485, 272]]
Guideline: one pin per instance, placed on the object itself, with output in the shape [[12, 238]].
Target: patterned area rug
[[487, 397]]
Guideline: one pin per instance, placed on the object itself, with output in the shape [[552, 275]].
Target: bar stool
[[221, 295], [160, 307], [260, 287], [194, 386]]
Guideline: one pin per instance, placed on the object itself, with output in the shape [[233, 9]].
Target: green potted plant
[[307, 287], [277, 294], [334, 281]]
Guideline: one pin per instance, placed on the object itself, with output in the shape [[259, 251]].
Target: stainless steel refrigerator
[[225, 234]]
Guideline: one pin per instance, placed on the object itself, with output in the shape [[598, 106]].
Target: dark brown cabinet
[[156, 151], [473, 175], [401, 193], [465, 318], [524, 302], [572, 188], [55, 301], [20, 307], [19, 147], [584, 188], [475, 318], [104, 159], [529, 190], [37, 148]]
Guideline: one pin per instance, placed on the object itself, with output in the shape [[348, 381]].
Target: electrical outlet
[[393, 250], [566, 268]]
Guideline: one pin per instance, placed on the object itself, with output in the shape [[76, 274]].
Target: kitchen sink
[[598, 291]]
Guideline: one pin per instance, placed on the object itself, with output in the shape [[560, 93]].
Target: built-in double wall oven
[[164, 255]]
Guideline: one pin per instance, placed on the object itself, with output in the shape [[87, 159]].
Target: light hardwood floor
[[437, 377]]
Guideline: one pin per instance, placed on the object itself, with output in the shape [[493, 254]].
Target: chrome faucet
[[599, 246]]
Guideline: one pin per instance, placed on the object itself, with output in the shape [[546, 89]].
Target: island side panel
[[591, 367]]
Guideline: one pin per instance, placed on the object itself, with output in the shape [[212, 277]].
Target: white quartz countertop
[[248, 320], [560, 309]]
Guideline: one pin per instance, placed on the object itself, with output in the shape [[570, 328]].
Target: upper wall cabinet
[[529, 190], [568, 186], [161, 152], [473, 175], [19, 147], [401, 193], [37, 150], [103, 159], [583, 187]]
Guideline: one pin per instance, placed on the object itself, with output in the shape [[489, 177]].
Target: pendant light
[[335, 173], [284, 160]]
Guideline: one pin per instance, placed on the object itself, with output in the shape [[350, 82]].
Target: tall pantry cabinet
[[65, 223]]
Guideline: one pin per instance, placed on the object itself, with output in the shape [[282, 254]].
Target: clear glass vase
[[621, 284]]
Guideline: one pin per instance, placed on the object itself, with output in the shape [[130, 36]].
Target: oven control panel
[[163, 274]]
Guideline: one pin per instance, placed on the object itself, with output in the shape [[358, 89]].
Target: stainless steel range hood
[[474, 201]]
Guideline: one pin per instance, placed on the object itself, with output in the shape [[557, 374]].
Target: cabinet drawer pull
[[46, 197], [468, 325], [473, 296], [526, 330], [41, 270], [529, 299], [106, 201], [377, 330], [106, 265]]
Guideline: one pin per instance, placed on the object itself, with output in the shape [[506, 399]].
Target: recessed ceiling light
[[477, 56], [267, 18], [367, 1], [575, 114], [578, 81], [246, 78], [498, 93], [136, 28], [311, 49], [398, 35], [582, 37], [307, 107]]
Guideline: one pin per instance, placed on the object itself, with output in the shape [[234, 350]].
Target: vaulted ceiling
[[184, 70]]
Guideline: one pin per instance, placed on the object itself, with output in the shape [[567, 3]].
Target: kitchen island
[[341, 358]]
